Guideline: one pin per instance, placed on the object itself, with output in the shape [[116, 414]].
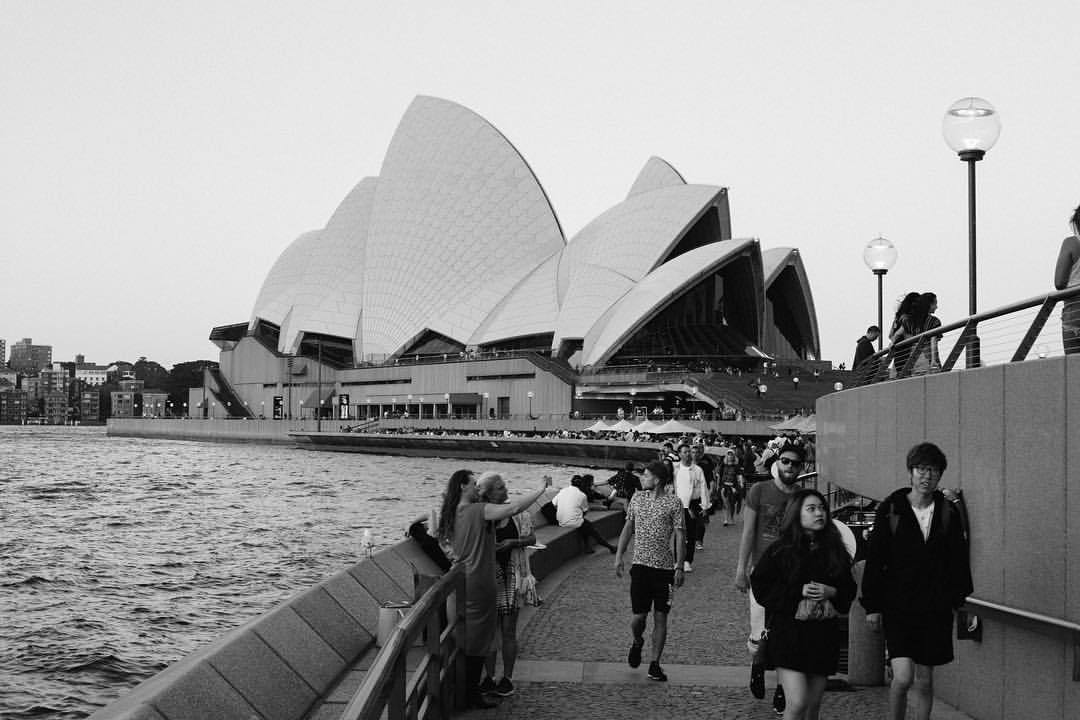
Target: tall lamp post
[[880, 256], [971, 126], [530, 395]]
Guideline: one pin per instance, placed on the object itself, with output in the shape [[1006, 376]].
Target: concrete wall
[[1006, 431]]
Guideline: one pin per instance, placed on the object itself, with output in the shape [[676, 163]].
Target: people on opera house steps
[[1067, 274], [804, 582], [654, 519], [466, 522], [512, 536], [917, 574]]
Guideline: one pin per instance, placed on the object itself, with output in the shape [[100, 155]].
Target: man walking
[[864, 346], [691, 490], [917, 574], [654, 518], [708, 469], [762, 516]]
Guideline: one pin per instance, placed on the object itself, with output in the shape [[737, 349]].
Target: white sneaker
[[686, 567], [699, 546]]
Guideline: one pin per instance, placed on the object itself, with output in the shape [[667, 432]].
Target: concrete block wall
[[1012, 437]]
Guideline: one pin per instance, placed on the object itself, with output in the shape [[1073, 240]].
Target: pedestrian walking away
[[655, 520]]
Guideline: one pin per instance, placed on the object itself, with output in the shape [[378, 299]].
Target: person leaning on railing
[[467, 523], [1067, 274]]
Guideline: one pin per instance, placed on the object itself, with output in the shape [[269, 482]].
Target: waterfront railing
[[1008, 334], [435, 687]]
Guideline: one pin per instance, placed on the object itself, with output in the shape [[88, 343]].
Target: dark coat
[[864, 348], [811, 647], [906, 575]]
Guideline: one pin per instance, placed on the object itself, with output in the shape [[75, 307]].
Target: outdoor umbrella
[[674, 427], [598, 426]]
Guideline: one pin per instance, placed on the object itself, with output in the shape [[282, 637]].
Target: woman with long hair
[[467, 524], [898, 332], [804, 581], [1067, 274]]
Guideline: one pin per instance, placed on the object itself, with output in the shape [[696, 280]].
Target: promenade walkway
[[573, 656]]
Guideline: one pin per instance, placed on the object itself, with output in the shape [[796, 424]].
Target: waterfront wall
[[1012, 437]]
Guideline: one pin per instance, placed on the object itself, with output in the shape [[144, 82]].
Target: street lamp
[[530, 396], [420, 409], [408, 403], [446, 397], [880, 256], [484, 402], [971, 126]]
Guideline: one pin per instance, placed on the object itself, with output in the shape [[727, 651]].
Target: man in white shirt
[[691, 490], [571, 503]]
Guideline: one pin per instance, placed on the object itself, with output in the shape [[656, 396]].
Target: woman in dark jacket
[[808, 562]]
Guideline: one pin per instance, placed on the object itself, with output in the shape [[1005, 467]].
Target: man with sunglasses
[[917, 573], [762, 515]]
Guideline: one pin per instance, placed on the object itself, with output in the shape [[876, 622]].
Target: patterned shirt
[[655, 521]]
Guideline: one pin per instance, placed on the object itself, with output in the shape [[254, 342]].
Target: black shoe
[[656, 672], [779, 702], [633, 659], [757, 681], [478, 701], [505, 688], [487, 686]]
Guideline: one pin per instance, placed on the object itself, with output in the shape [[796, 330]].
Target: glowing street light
[[880, 256]]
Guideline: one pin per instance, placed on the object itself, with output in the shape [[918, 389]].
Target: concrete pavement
[[573, 650]]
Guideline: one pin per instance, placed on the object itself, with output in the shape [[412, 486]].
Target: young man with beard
[[762, 516], [917, 574], [654, 518]]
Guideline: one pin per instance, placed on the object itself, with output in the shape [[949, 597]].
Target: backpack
[[954, 504]]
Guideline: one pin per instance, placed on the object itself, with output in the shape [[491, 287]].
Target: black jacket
[[906, 575], [864, 348]]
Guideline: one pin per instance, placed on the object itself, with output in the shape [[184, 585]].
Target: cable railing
[[1043, 624], [435, 688], [1011, 333]]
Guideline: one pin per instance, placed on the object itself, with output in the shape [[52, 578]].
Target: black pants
[[692, 517], [587, 530]]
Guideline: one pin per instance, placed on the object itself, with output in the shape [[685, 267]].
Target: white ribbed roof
[[655, 292], [316, 285], [775, 261], [459, 220], [619, 248], [531, 308], [656, 174]]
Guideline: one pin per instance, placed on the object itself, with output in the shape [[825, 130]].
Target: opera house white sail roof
[[456, 242]]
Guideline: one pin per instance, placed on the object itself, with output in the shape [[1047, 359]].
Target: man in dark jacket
[[864, 346], [917, 574]]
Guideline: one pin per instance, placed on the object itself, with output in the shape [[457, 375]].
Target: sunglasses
[[789, 461]]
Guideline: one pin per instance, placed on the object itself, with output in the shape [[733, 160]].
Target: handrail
[[1042, 623], [875, 367], [439, 682]]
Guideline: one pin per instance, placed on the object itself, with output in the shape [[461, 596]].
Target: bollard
[[866, 648], [390, 614]]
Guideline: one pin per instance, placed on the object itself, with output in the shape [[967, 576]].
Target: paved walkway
[[573, 650]]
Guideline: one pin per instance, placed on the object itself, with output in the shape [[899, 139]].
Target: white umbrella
[[622, 426], [598, 426], [672, 427], [647, 426]]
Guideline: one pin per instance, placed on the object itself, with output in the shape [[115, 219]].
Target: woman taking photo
[[467, 524], [804, 581]]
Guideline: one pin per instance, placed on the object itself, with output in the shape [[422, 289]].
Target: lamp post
[[185, 410], [446, 397], [483, 403], [420, 409], [880, 256], [971, 126], [408, 403], [530, 396]]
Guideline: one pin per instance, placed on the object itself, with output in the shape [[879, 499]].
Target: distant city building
[[56, 407], [32, 386], [118, 371], [54, 378], [123, 404], [10, 376], [154, 403], [26, 357], [90, 373], [3, 353], [90, 406], [12, 406], [131, 385]]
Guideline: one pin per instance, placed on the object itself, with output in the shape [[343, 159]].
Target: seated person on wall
[[625, 483], [571, 504]]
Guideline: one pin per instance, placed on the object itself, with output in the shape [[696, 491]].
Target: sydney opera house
[[445, 287]]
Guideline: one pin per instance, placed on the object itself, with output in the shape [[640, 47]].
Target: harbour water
[[118, 556]]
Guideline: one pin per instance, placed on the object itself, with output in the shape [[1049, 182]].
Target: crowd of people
[[794, 562]]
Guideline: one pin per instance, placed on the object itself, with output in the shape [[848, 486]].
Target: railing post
[[436, 697], [395, 704], [460, 675]]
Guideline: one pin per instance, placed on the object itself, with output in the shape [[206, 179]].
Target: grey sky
[[155, 158]]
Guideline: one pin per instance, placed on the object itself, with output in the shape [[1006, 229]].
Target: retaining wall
[[1012, 437]]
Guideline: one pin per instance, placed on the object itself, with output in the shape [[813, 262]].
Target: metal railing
[[436, 687], [1044, 624], [1003, 335]]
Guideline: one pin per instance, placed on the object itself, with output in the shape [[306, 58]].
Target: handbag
[[810, 610], [761, 649]]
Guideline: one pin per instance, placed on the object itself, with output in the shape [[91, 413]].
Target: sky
[[157, 157]]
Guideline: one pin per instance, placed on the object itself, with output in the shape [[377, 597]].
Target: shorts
[[506, 596], [650, 589], [927, 640]]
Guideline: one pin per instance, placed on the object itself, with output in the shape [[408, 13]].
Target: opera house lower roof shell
[[454, 247]]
